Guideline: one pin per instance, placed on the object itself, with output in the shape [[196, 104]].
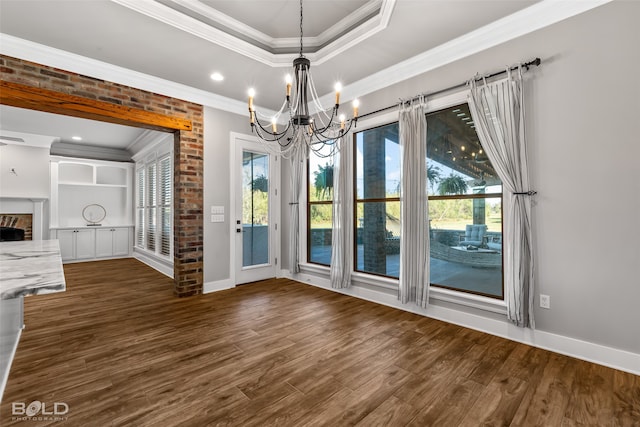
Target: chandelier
[[302, 130]]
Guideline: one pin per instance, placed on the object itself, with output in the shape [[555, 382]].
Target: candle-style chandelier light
[[326, 128]]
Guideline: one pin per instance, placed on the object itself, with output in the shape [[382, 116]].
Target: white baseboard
[[591, 352], [160, 266], [219, 285]]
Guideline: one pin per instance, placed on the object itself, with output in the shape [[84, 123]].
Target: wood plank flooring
[[121, 350]]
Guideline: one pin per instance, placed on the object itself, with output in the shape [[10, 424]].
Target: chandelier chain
[[301, 28]]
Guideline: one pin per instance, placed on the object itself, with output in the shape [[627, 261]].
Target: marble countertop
[[30, 267]]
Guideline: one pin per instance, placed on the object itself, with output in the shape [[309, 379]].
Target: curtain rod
[[526, 65]]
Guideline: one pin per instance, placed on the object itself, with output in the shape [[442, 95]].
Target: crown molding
[[148, 142], [525, 21], [45, 55], [23, 139], [535, 17], [253, 48], [89, 152], [352, 20]]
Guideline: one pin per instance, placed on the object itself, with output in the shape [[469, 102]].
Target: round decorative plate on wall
[[93, 214]]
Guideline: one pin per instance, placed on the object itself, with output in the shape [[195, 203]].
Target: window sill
[[469, 300], [437, 294], [158, 262]]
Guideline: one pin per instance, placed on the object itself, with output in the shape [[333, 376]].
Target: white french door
[[256, 211]]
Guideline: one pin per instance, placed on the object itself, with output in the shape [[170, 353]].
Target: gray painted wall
[[217, 145], [584, 151]]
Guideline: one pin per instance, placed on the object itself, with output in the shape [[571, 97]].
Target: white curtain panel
[[342, 233], [414, 234], [297, 159], [497, 110]]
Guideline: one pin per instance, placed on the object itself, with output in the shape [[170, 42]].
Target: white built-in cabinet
[[77, 183], [112, 242], [76, 244]]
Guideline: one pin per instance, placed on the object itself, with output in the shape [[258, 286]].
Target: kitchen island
[[31, 267]]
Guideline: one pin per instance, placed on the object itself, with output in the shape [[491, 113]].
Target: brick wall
[[188, 153]]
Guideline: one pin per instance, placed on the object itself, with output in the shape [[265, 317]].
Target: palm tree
[[323, 181], [433, 175], [453, 184], [260, 183]]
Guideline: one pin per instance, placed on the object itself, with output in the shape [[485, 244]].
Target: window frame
[[471, 196], [386, 284], [309, 204]]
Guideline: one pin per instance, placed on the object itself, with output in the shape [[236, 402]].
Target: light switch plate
[[217, 218], [218, 210]]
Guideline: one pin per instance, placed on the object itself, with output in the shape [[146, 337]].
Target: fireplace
[[25, 213], [16, 227]]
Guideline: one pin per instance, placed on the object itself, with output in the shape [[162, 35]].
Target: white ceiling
[[251, 42], [63, 128]]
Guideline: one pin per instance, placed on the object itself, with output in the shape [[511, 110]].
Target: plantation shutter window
[[140, 214], [165, 186], [154, 205], [151, 207]]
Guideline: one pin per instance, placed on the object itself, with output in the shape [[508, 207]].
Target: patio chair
[[495, 243], [473, 235]]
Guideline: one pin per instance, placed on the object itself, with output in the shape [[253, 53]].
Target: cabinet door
[[85, 244], [66, 238], [104, 242], [121, 241]]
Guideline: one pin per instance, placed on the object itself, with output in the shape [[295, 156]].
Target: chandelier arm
[[319, 150], [285, 105], [262, 131], [327, 137], [329, 124]]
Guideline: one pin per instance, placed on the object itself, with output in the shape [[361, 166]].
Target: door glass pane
[[255, 208]]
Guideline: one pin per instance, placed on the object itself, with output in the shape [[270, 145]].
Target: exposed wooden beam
[[33, 98]]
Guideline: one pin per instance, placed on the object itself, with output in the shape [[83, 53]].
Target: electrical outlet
[[545, 301]]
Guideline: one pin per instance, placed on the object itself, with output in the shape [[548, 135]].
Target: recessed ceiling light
[[217, 77], [76, 138]]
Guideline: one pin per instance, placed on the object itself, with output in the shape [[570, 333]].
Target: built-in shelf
[[76, 183], [75, 173], [109, 175]]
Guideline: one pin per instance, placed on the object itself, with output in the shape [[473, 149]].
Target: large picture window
[[154, 200], [377, 201], [465, 206]]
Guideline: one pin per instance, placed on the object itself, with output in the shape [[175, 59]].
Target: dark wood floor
[[120, 350]]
